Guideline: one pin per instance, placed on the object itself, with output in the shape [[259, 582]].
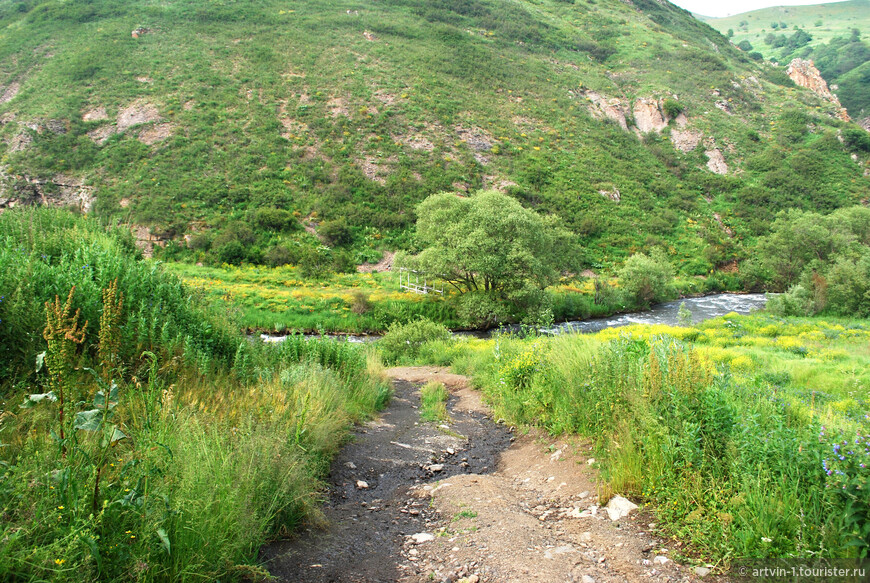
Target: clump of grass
[[433, 402]]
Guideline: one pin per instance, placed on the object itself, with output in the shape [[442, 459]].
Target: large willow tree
[[489, 245]]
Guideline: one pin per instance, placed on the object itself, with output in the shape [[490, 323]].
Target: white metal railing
[[405, 283]]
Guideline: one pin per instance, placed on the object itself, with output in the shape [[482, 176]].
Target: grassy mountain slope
[[823, 21], [349, 112], [828, 34]]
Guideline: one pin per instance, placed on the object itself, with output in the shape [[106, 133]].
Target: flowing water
[[701, 308]]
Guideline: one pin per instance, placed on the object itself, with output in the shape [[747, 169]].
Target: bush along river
[[668, 313]]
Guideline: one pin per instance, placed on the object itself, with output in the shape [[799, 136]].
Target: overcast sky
[[729, 7]]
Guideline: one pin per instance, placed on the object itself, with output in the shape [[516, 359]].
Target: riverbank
[[279, 301], [698, 309]]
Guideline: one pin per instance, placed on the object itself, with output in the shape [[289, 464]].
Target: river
[[702, 308]]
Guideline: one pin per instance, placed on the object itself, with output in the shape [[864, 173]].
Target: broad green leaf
[[100, 398], [40, 361], [32, 400], [164, 540], [117, 435], [89, 420]]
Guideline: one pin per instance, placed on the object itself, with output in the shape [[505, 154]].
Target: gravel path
[[468, 501]]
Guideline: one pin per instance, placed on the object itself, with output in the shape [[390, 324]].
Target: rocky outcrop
[[805, 74], [146, 240], [646, 113], [686, 140], [60, 191], [609, 108], [648, 116], [716, 161], [865, 123], [610, 192]]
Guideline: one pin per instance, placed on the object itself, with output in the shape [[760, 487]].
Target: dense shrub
[[403, 341], [274, 219], [646, 279]]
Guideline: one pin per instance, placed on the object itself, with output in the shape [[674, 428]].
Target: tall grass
[[433, 402], [174, 463], [712, 430]]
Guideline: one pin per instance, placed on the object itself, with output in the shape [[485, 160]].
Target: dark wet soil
[[366, 526]]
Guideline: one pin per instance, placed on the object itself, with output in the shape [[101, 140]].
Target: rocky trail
[[469, 501]]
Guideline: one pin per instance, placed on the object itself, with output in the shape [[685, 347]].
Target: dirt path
[[484, 505]]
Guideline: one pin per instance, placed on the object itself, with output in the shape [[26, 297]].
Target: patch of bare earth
[[385, 264], [155, 133], [377, 169], [137, 113], [337, 106], [95, 114], [9, 92]]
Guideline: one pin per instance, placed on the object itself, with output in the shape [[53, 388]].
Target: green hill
[[828, 34], [823, 21], [233, 123]]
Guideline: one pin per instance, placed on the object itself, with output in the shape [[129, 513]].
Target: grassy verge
[[745, 434], [280, 299], [433, 402], [156, 443]]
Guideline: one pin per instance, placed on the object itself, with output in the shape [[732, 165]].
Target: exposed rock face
[[865, 123], [648, 116], [805, 74], [716, 161], [611, 193], [609, 108], [62, 191], [145, 240], [686, 140]]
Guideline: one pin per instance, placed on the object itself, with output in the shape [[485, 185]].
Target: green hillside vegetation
[[828, 34], [245, 122], [824, 22], [143, 438]]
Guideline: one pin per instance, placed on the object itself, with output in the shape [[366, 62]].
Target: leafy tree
[[745, 46], [646, 279], [489, 244]]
